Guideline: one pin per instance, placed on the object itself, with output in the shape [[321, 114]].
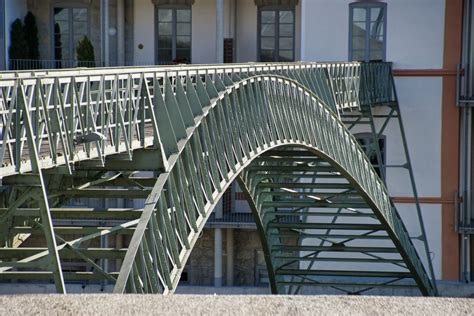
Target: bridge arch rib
[[244, 120]]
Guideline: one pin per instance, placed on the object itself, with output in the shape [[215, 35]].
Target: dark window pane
[[376, 29], [268, 30], [376, 55], [376, 14], [286, 43], [358, 42], [286, 55], [183, 15], [79, 14], [80, 28], [358, 29], [65, 53], [165, 29], [358, 55], [165, 42], [286, 29], [268, 43], [268, 16], [183, 56], [61, 14], [183, 42], [376, 44], [359, 15], [266, 55], [286, 17], [183, 29], [165, 15], [61, 27], [164, 55]]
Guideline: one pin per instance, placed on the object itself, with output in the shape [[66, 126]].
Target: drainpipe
[[465, 166], [220, 31], [104, 31], [302, 29], [120, 32]]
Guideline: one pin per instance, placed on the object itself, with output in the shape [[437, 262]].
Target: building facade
[[423, 39]]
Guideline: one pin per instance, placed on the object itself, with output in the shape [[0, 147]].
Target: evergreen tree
[[85, 53], [18, 47], [31, 36]]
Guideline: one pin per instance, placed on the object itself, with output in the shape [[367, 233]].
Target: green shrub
[[85, 53]]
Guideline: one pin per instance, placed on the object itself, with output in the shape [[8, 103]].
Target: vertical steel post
[[45, 214]]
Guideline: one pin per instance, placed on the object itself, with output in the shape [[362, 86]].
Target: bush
[[85, 53]]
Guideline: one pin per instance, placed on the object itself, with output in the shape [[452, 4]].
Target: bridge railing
[[78, 114], [376, 86]]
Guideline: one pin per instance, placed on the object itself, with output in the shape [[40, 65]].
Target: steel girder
[[193, 130]]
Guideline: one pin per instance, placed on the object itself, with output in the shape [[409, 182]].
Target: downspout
[[465, 89]]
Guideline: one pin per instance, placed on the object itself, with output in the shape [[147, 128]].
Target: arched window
[[367, 31]]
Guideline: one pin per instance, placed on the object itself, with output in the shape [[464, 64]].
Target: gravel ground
[[230, 305]]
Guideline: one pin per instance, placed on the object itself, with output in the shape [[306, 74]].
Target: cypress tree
[[31, 36], [17, 49]]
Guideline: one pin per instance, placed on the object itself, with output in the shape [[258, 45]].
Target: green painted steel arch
[[204, 152]]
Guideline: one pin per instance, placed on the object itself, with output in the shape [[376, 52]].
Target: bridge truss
[[167, 142]]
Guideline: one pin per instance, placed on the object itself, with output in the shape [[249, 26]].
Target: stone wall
[[248, 258]]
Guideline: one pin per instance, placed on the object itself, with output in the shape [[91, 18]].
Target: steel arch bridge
[[176, 138]]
